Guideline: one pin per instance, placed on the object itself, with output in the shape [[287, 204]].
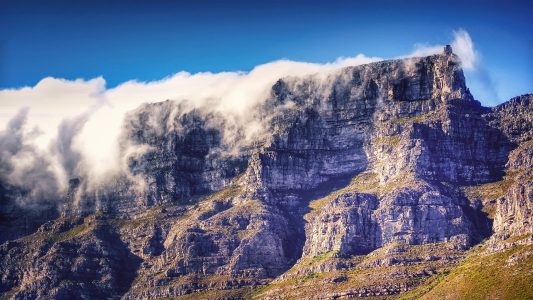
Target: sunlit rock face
[[348, 163], [514, 209]]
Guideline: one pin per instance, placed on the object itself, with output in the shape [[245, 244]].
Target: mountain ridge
[[367, 183]]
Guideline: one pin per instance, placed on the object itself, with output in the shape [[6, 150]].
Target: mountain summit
[[384, 179]]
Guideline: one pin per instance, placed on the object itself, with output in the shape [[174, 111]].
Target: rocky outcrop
[[514, 209], [18, 220], [68, 259], [361, 169], [184, 153], [172, 154], [514, 118], [345, 226]]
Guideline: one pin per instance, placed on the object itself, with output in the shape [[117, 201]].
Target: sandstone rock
[[356, 167]]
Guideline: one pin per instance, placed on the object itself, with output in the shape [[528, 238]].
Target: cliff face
[[514, 206], [379, 169]]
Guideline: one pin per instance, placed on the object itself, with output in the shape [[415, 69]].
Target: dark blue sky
[[149, 40]]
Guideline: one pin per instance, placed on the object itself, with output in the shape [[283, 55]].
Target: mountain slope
[[372, 180]]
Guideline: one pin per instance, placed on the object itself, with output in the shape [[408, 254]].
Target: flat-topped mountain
[[384, 179]]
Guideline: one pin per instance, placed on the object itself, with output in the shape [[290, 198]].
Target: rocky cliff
[[370, 181]]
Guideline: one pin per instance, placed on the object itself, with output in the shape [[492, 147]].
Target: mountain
[[384, 179]]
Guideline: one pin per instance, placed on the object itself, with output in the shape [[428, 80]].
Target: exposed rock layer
[[361, 169]]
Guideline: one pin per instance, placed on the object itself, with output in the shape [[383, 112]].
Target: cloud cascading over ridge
[[72, 127], [462, 46], [477, 75]]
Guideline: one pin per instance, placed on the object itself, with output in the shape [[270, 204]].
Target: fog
[[61, 129]]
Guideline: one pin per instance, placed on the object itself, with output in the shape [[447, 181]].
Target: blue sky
[[148, 40]]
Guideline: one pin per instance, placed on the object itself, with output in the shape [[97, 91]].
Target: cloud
[[424, 50], [24, 166], [50, 102], [462, 46], [477, 75], [77, 124], [232, 94], [60, 129]]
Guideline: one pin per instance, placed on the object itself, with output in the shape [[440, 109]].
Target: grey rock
[[355, 162]]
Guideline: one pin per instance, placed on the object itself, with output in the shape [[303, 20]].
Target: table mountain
[[383, 179]]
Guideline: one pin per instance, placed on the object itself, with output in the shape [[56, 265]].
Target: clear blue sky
[[149, 40]]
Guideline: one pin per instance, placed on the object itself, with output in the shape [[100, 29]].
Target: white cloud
[[424, 50], [79, 121], [53, 103], [462, 46], [477, 76], [49, 102]]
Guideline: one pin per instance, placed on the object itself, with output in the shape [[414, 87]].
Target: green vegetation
[[487, 193], [310, 277], [502, 275], [69, 234], [201, 204], [228, 192], [366, 182], [294, 282], [415, 119], [324, 256], [367, 272], [427, 285], [258, 292], [313, 261], [391, 140], [361, 183], [491, 190], [317, 205], [55, 237], [242, 293], [517, 238]]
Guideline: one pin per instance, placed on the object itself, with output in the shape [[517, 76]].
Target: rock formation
[[383, 174]]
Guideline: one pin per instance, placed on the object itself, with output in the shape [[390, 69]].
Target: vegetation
[[228, 192], [313, 261], [366, 182], [69, 234], [390, 140], [324, 256], [361, 183], [415, 119], [502, 275], [491, 190], [517, 238], [241, 293], [369, 272], [55, 237], [426, 285], [488, 193]]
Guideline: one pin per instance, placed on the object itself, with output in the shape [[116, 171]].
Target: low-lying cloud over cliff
[[60, 129]]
